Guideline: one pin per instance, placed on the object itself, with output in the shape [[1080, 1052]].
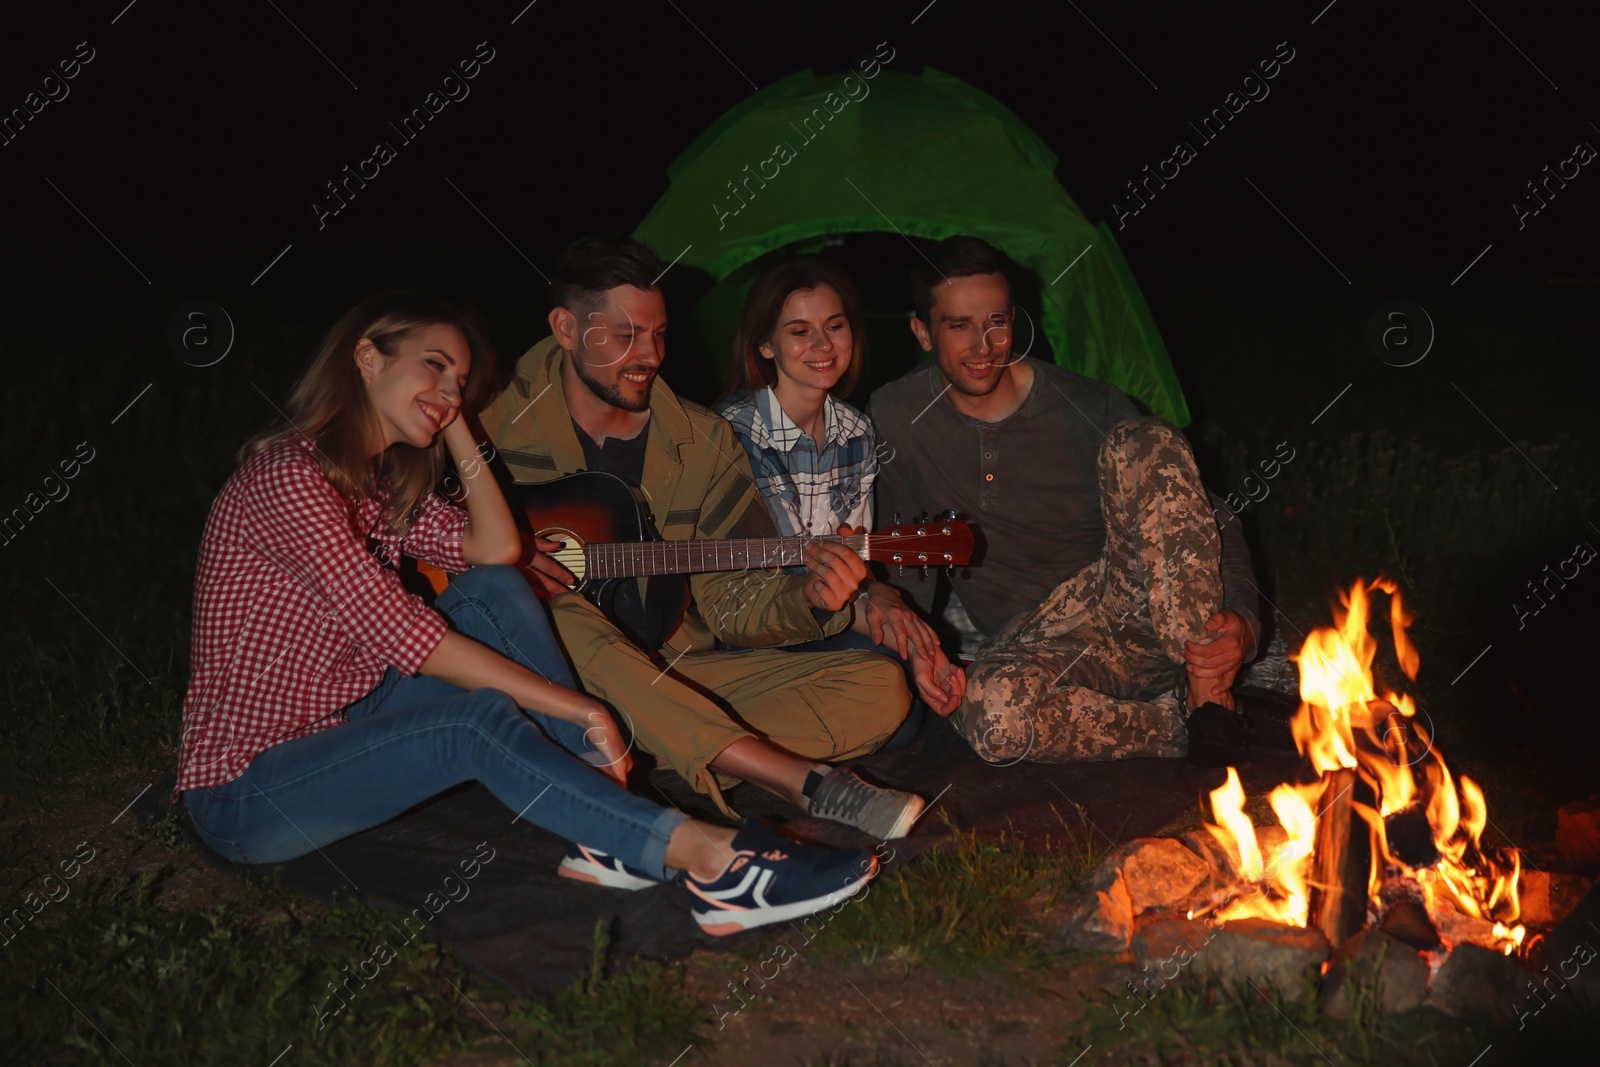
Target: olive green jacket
[[697, 485]]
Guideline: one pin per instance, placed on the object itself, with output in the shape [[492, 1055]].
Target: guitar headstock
[[935, 543]]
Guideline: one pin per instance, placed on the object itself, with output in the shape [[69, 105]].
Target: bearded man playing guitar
[[588, 398]]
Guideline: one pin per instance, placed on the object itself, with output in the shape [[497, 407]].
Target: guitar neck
[[642, 558]]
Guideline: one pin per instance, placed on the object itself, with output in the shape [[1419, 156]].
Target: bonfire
[[1384, 798]]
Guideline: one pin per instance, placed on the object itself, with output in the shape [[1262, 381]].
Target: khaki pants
[[823, 706], [1094, 672]]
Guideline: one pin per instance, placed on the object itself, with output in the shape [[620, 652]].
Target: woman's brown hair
[[763, 305], [330, 407]]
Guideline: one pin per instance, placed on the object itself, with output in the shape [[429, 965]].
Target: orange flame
[[1342, 723], [1278, 889]]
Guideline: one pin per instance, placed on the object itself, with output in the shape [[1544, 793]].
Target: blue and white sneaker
[[772, 879], [596, 867]]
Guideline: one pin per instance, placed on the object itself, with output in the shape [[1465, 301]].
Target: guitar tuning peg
[[924, 570], [902, 573], [947, 515]]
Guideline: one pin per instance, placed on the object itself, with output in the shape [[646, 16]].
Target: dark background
[[1398, 134], [198, 137]]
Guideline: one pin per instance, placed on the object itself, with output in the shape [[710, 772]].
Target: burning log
[[1341, 860], [1408, 922], [1410, 837]]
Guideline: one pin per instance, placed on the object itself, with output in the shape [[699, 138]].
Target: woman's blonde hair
[[330, 406]]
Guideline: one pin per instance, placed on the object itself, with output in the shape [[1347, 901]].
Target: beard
[[610, 392]]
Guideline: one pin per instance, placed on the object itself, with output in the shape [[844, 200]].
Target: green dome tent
[[814, 156]]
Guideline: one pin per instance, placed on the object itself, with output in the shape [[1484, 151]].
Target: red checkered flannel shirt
[[294, 617]]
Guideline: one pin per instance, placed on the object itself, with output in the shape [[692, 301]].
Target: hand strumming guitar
[[552, 577]]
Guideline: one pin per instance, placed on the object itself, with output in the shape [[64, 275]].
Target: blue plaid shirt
[[808, 488]]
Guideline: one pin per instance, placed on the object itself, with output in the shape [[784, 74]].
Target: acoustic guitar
[[607, 537]]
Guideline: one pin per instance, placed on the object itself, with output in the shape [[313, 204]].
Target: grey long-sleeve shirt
[[1030, 479]]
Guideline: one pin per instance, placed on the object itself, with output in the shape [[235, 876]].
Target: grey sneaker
[[884, 813]]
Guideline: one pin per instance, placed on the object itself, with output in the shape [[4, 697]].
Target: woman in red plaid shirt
[[325, 699]]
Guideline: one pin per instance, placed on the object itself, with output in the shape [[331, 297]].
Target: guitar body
[[580, 509], [594, 507]]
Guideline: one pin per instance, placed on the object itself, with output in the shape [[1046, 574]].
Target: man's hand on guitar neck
[[552, 577], [836, 574]]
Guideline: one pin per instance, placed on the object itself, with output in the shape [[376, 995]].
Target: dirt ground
[[37, 834], [899, 1012], [817, 1013]]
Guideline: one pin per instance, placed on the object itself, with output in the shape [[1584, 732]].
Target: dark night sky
[[1398, 134]]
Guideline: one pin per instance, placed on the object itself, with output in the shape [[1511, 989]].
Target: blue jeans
[[414, 737]]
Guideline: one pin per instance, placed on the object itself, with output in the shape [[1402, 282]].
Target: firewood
[[1410, 837], [1342, 861]]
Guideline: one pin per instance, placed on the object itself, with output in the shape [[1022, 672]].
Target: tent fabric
[[816, 155]]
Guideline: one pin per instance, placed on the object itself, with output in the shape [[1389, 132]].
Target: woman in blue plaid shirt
[[797, 351]]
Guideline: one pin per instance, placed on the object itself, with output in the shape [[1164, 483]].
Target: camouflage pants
[[1096, 671]]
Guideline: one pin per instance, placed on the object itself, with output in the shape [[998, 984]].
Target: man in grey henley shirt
[[1110, 601]]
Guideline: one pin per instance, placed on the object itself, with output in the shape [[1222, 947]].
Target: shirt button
[[988, 477], [988, 455]]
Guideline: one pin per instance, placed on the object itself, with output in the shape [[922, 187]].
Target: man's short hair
[[953, 257], [591, 265]]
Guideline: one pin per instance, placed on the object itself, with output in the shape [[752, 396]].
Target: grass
[[108, 973], [971, 902], [640, 1013], [1191, 1024]]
